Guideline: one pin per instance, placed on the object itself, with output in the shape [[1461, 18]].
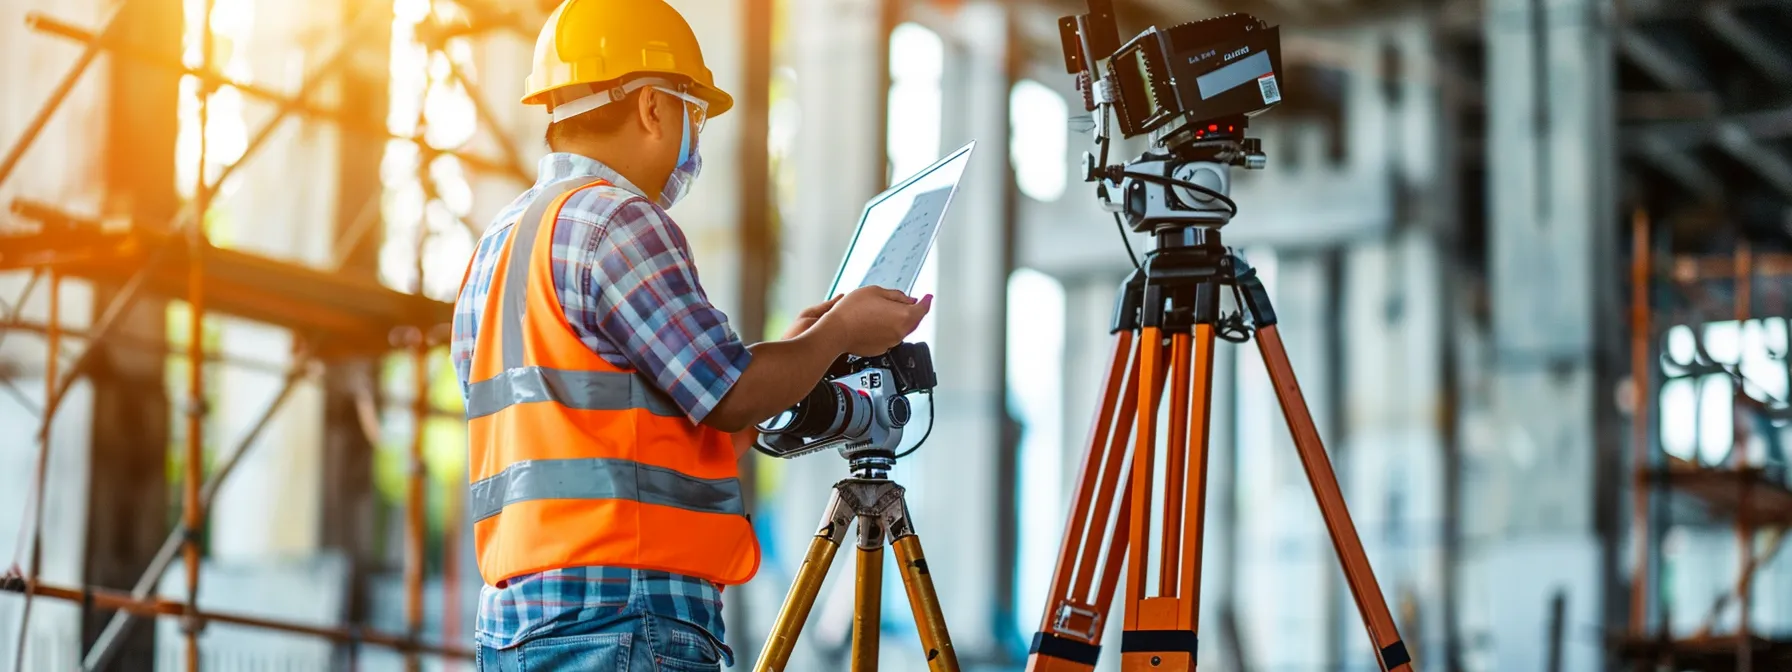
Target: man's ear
[[649, 110]]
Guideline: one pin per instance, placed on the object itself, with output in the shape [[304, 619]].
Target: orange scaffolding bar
[[156, 607]]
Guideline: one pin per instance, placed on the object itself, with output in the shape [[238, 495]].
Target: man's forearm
[[743, 441], [780, 374]]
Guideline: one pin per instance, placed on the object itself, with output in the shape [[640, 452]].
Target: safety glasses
[[699, 108]]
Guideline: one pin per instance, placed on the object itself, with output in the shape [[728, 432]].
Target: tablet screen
[[897, 228]]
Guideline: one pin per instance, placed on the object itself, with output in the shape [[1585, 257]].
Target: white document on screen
[[899, 262], [897, 228]]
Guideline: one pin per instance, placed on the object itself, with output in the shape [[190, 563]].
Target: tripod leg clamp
[[1062, 648], [1395, 655], [1158, 641]]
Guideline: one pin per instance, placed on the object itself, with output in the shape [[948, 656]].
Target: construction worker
[[604, 393]]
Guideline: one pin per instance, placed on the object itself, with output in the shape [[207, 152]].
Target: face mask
[[690, 163]]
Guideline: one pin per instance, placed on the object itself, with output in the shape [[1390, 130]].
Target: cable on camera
[[931, 413], [1120, 225], [1231, 207]]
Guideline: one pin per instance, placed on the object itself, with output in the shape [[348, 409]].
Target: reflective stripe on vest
[[579, 390], [522, 254], [602, 478]]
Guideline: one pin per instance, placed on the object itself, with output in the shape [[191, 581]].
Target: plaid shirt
[[629, 289]]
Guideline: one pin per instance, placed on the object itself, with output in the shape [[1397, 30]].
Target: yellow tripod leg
[[926, 605], [795, 611]]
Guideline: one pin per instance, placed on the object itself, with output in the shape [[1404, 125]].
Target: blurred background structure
[[1530, 257]]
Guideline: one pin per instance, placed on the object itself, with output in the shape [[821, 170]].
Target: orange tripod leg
[[1070, 631], [1369, 602], [1162, 636], [1138, 550], [1195, 511], [1153, 640]]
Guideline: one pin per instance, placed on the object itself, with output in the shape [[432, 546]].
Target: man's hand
[[809, 316], [867, 322], [871, 320]]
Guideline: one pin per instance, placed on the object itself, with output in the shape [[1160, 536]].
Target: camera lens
[[819, 412]]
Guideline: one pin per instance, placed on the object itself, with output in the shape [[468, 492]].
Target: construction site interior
[[1533, 260]]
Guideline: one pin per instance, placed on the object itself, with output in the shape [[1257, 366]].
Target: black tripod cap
[[1130, 302]]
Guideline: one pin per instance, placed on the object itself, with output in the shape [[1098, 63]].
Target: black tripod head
[[1180, 283]]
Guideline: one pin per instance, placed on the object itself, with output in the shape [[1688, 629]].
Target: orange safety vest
[[575, 461]]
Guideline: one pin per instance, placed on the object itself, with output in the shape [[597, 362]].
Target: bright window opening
[[1038, 119], [1036, 304], [917, 62]]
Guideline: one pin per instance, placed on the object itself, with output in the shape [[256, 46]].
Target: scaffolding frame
[[1750, 496], [325, 329]]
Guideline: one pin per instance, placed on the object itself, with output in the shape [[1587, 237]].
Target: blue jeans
[[635, 644]]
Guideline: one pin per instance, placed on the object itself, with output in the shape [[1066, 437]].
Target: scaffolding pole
[[1734, 486], [106, 645], [192, 515], [188, 216], [57, 96], [1642, 377], [37, 485], [57, 28], [102, 598], [1744, 526]]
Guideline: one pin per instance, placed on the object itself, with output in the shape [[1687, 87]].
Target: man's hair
[[602, 121]]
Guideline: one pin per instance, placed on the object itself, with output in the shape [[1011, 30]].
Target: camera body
[[1193, 88], [860, 407], [1196, 73]]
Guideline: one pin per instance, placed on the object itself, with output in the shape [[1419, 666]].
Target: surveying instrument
[[860, 408], [1193, 88]]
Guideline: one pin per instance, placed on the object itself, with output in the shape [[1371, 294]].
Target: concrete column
[[269, 507], [347, 515], [127, 487], [957, 482], [709, 215], [1087, 346], [280, 204], [837, 50], [1550, 83], [1391, 316]]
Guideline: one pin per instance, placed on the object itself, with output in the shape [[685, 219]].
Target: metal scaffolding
[[331, 317], [1689, 290]]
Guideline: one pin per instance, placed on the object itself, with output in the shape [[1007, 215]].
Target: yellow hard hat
[[586, 42]]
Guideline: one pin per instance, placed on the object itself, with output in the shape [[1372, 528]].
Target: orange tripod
[[1172, 306]]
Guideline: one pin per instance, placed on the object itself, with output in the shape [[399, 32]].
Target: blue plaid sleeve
[[638, 291]]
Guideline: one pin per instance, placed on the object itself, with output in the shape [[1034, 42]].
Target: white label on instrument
[[1272, 94]]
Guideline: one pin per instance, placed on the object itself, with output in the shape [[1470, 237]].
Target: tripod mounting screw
[[1254, 158]]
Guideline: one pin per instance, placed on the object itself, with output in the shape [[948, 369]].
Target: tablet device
[[897, 228]]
